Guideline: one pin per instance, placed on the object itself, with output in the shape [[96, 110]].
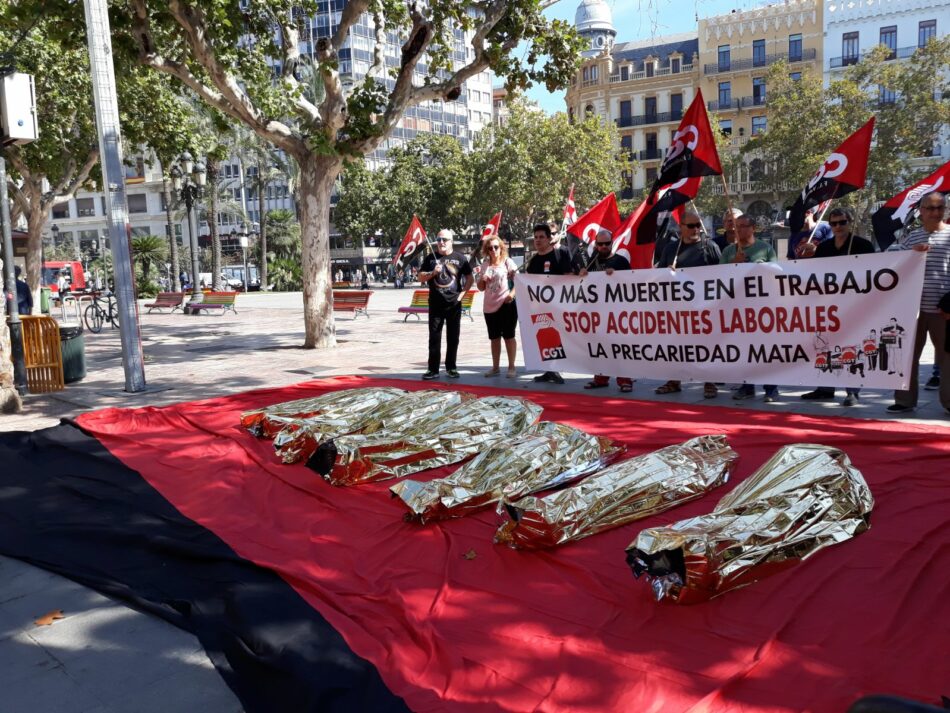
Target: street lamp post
[[247, 276], [188, 180]]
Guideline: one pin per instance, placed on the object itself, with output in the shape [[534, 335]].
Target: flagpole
[[822, 215]]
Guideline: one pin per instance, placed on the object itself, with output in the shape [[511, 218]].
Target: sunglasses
[[602, 245], [837, 222], [691, 225], [494, 248], [443, 240]]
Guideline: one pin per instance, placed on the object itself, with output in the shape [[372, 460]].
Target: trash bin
[[45, 293], [74, 353]]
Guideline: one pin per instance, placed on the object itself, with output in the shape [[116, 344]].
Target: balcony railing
[[590, 82], [661, 72], [740, 65], [651, 154], [839, 62], [745, 102], [646, 119], [722, 105]]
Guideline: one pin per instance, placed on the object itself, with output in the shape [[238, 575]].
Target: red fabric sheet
[[571, 629]]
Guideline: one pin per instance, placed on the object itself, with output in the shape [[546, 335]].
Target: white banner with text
[[843, 321]]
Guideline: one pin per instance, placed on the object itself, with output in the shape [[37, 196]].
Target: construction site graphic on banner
[[843, 321]]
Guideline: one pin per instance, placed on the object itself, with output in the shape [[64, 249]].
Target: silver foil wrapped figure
[[268, 421], [548, 456], [801, 500], [438, 439], [300, 437], [619, 494]]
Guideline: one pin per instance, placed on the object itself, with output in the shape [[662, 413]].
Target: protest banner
[[843, 321]]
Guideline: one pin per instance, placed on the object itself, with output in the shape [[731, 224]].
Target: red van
[[75, 275]]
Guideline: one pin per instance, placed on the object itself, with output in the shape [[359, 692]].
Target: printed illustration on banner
[[548, 336]]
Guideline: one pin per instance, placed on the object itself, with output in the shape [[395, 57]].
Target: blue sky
[[640, 19]]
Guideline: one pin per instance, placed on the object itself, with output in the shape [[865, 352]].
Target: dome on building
[[593, 15]]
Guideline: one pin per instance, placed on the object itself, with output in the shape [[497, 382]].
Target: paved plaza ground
[[105, 658]]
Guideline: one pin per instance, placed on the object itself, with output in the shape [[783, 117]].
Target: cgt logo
[[549, 338]]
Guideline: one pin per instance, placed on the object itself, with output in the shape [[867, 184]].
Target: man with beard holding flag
[[411, 244], [845, 170]]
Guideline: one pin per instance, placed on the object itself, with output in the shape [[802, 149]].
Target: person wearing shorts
[[496, 280]]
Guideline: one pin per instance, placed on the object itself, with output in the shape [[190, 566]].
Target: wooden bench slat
[[420, 304], [352, 301]]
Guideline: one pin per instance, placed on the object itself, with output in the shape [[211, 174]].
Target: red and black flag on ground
[[845, 170], [900, 211], [411, 244], [692, 152], [311, 597]]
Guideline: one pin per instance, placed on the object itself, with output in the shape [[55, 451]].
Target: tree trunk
[[212, 191], [35, 222], [262, 223], [172, 239], [317, 175]]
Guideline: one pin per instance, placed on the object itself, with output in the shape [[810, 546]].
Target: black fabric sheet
[[67, 505]]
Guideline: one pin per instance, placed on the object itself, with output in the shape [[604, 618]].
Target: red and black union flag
[[844, 171], [411, 244], [692, 150], [901, 210]]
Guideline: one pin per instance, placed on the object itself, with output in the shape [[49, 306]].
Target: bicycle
[[96, 315]]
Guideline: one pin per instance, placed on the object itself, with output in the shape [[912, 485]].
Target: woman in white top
[[496, 280]]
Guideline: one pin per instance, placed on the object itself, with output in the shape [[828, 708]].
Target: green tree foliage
[[526, 167], [226, 52], [148, 251], [284, 232], [911, 100]]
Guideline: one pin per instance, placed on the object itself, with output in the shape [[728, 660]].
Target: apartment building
[[736, 51], [643, 87]]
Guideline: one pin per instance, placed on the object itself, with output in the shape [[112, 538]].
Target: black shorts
[[502, 324]]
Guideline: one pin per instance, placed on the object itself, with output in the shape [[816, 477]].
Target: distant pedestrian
[[24, 298]]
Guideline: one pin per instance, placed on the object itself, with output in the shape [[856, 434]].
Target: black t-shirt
[[703, 252], [859, 246], [445, 287], [556, 262], [614, 262]]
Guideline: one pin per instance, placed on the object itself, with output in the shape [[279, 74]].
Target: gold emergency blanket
[[268, 421], [624, 492], [550, 455], [436, 440], [299, 437], [801, 500]]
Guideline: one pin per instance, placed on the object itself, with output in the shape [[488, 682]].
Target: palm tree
[[146, 250]]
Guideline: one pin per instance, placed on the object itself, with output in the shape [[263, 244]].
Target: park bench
[[345, 285], [42, 354], [420, 304], [219, 302], [352, 301], [166, 300]]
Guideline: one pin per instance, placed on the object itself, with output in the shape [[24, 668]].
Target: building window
[[651, 174], [849, 48], [758, 91], [676, 106], [138, 203], [625, 109], [926, 30], [758, 53], [795, 48], [795, 76], [649, 108], [85, 207], [885, 95], [593, 73], [61, 211], [724, 58], [588, 111], [649, 68], [135, 172], [889, 40], [624, 73], [725, 126], [725, 94], [758, 125], [675, 65], [626, 146], [651, 143], [586, 73]]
